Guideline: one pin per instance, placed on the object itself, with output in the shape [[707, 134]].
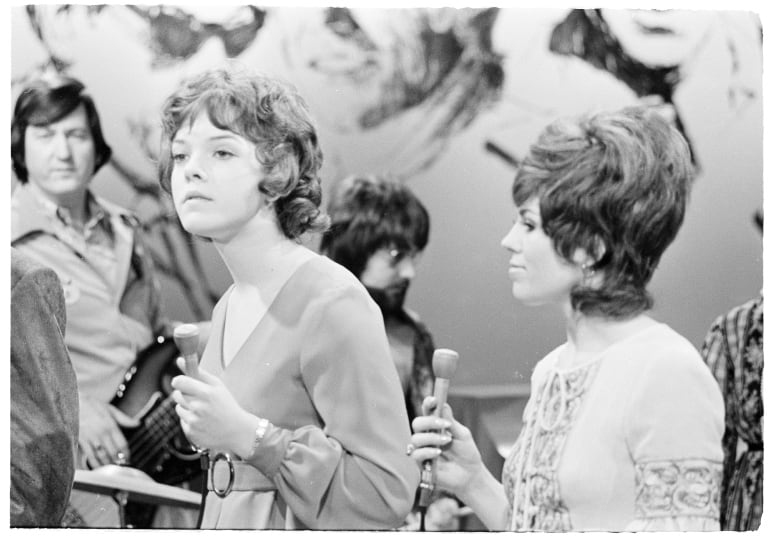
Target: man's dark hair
[[371, 212], [47, 100]]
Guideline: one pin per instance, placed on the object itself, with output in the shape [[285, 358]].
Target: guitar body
[[158, 446]]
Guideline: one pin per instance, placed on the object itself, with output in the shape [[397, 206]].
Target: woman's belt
[[226, 475]]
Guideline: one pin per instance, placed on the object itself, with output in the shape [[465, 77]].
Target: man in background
[[95, 248], [379, 229]]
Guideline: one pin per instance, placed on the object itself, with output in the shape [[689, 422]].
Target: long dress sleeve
[[674, 427], [352, 473]]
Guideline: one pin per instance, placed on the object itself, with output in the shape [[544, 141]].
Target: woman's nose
[[512, 240], [193, 170]]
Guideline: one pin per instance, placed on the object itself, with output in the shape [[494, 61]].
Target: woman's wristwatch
[[262, 427]]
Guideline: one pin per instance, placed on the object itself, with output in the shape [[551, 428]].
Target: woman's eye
[[179, 157], [527, 224], [519, 221], [222, 154]]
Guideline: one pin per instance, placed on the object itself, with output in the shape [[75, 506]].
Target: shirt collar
[[33, 212], [97, 215]]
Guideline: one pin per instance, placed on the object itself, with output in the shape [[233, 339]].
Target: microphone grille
[[445, 361], [186, 337]]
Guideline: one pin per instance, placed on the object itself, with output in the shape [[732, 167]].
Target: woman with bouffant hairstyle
[[617, 186], [296, 398], [623, 425]]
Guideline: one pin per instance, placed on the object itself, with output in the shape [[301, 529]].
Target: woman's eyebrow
[[525, 211]]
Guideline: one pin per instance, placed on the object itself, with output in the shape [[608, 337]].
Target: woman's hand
[[100, 439], [451, 443], [210, 416], [444, 515]]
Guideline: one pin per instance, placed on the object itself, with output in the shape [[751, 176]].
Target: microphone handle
[[440, 388], [191, 364], [191, 369], [428, 480]]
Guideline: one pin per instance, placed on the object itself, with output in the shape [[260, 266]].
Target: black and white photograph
[[404, 267]]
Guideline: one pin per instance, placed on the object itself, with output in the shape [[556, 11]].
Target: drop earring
[[587, 271]]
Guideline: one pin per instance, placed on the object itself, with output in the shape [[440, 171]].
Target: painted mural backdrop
[[448, 100]]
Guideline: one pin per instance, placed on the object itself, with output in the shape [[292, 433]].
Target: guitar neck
[[158, 427], [157, 445]]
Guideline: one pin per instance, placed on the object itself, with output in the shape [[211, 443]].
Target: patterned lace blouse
[[627, 441]]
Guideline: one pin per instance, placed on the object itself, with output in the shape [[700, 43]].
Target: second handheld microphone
[[445, 361]]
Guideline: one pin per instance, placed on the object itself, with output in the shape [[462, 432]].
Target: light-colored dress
[[318, 367], [627, 441]]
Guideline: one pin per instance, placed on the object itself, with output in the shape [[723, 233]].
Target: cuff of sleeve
[[270, 450], [674, 524]]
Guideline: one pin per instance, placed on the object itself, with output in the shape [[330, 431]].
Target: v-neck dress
[[318, 367], [628, 441]]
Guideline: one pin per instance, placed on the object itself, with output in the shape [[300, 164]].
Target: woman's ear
[[584, 259], [270, 198]]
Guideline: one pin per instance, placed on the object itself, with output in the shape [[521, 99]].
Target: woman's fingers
[[427, 423], [177, 397], [189, 386], [185, 415], [425, 453], [434, 439], [428, 405]]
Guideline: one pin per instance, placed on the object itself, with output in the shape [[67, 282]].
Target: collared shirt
[[111, 296], [95, 241]]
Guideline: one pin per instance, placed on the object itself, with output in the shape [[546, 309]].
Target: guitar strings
[[145, 443]]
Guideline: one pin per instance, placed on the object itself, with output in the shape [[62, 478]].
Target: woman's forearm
[[485, 495]]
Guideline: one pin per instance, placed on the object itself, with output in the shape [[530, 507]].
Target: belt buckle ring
[[222, 493]]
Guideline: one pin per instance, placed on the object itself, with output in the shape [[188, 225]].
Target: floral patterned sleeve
[[717, 357], [674, 435]]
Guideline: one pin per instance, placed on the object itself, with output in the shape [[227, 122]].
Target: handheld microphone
[[444, 363], [186, 337]]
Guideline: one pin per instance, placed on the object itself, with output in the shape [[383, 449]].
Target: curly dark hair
[[615, 184], [273, 116], [371, 212], [46, 100]]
